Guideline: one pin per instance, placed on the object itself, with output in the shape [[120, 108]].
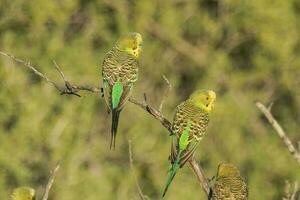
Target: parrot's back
[[187, 113], [119, 66], [230, 188]]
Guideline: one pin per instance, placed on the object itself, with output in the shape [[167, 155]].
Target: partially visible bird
[[229, 184], [119, 73], [23, 193], [189, 126]]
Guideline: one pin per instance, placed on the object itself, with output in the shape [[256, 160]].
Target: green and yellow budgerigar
[[189, 126], [229, 184], [120, 72], [23, 193]]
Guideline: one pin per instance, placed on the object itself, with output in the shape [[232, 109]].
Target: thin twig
[[155, 113], [166, 93], [286, 140], [51, 180], [59, 70], [142, 196], [71, 89]]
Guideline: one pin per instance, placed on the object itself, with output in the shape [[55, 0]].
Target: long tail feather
[[117, 92], [171, 176], [114, 127]]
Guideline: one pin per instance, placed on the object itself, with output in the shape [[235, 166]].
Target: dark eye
[[207, 105], [206, 98]]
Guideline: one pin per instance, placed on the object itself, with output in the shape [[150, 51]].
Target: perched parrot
[[23, 193], [229, 184], [120, 72], [189, 126]]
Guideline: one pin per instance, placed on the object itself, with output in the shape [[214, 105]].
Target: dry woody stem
[[286, 140], [51, 180], [71, 89], [291, 191]]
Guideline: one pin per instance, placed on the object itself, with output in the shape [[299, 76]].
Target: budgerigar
[[229, 184], [120, 72], [23, 193], [189, 126]]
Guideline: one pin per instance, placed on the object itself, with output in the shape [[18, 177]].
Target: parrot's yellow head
[[23, 193], [204, 99], [227, 170], [131, 43]]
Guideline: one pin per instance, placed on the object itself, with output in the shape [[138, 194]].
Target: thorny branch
[[142, 196], [51, 180], [286, 140], [71, 89]]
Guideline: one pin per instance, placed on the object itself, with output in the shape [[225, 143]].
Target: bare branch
[[167, 91], [29, 66], [51, 180], [295, 194], [71, 89], [293, 151], [291, 194], [142, 196], [200, 175]]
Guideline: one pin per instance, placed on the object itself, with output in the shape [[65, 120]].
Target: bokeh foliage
[[243, 49]]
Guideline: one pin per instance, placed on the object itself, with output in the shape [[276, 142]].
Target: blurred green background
[[245, 50]]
